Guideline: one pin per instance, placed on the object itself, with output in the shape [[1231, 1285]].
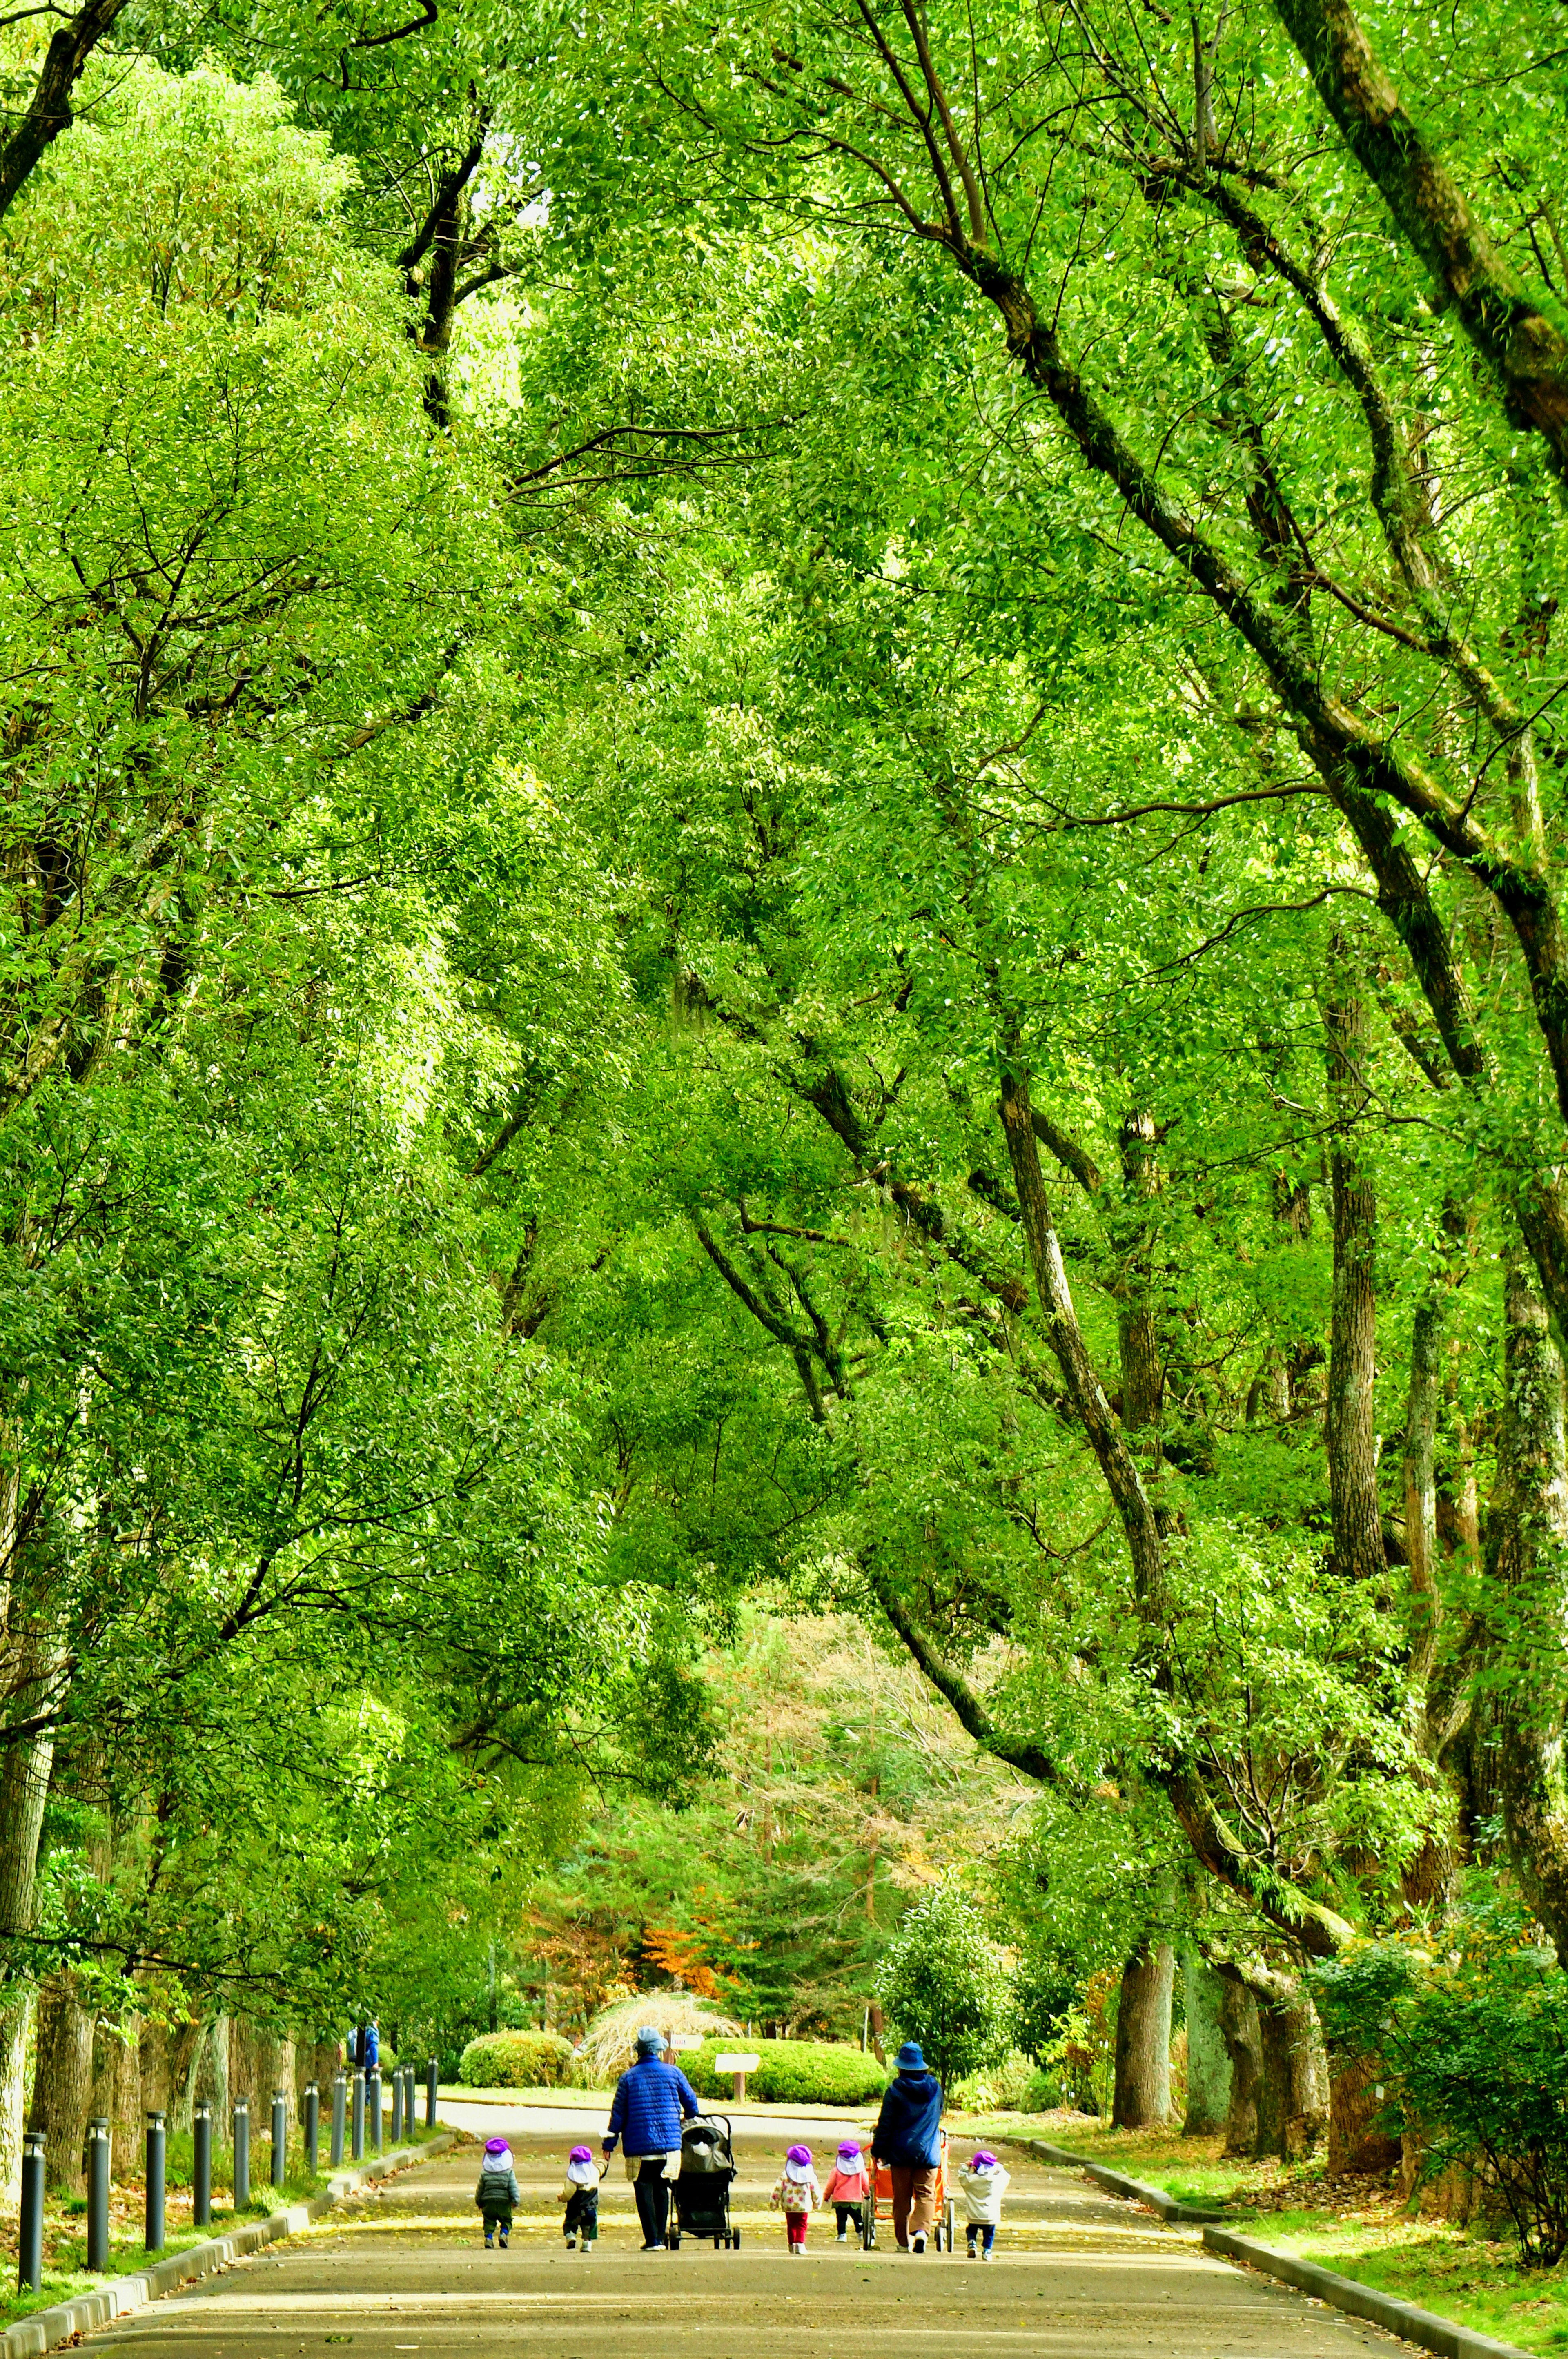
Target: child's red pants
[[795, 2222]]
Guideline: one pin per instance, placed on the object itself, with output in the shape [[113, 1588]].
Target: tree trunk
[[1526, 1532], [1142, 2096], [62, 2080], [1355, 2141], [212, 2084], [1208, 2059], [1292, 2109], [1349, 1427], [1243, 2046], [25, 1768], [117, 2091]]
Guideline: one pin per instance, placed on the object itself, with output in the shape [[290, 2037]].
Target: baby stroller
[[703, 2190], [946, 2208]]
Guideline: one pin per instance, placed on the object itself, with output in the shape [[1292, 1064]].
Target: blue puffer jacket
[[650, 2099], [908, 2124]]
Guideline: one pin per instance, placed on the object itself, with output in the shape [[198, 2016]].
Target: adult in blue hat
[[651, 2098], [907, 2138]]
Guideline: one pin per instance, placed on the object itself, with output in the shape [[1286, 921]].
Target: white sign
[[737, 2063], [686, 2041]]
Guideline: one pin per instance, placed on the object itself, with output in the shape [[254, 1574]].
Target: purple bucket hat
[[580, 2154], [800, 2154], [849, 2151], [984, 2161], [496, 2145]]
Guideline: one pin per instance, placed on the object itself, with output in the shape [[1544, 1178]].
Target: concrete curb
[[1401, 2318], [1169, 2207], [31, 2337]]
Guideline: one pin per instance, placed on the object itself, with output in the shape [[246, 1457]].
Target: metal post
[[156, 2146], [279, 2136], [312, 2125], [98, 2192], [410, 2099], [373, 2106], [356, 2142], [201, 2168], [431, 2072], [396, 2104], [30, 2244], [340, 2117], [242, 2155]]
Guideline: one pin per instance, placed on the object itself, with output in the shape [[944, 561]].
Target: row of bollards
[[350, 2107]]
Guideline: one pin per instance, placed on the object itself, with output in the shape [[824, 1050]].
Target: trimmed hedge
[[517, 2059], [790, 2072]]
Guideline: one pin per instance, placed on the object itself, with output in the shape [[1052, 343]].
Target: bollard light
[[373, 2106], [30, 2241], [242, 2155], [201, 2167], [396, 2104], [279, 2136], [356, 2146], [340, 2117], [431, 2070], [98, 2192], [312, 2125], [156, 2148]]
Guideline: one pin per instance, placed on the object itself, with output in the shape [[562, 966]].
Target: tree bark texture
[[213, 2086], [1142, 2094], [63, 2079], [49, 109], [1349, 1427], [1208, 2058], [1528, 1548], [1243, 2046]]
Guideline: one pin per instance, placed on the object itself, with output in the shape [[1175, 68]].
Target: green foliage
[[789, 2071], [517, 2059], [945, 1983], [1473, 2045]]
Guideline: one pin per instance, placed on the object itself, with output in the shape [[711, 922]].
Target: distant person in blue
[[907, 2138], [652, 2098], [372, 2046]]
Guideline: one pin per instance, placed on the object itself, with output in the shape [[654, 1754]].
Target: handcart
[[703, 2189], [945, 2224]]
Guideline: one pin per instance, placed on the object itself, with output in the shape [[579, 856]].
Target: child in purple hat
[[581, 2197], [498, 2194], [849, 2188], [797, 2195]]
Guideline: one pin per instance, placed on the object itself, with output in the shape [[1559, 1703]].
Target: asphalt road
[[402, 2274]]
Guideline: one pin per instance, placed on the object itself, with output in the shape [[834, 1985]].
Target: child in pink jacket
[[849, 2188]]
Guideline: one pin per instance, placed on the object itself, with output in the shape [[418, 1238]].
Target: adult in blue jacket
[[651, 2100], [907, 2138]]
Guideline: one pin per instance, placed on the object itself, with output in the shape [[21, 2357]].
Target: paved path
[[403, 2275]]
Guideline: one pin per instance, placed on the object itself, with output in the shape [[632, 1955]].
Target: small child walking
[[797, 2195], [581, 2197], [982, 2184], [849, 2188], [498, 2194]]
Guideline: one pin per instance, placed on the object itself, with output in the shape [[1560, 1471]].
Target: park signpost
[[739, 2066]]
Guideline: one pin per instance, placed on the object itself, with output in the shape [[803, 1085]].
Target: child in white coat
[[981, 2187]]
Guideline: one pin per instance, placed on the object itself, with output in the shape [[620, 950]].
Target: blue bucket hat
[[910, 2057], [649, 2042]]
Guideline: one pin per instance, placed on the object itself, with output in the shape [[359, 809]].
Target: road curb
[[31, 2337], [1169, 2207], [1401, 2318]]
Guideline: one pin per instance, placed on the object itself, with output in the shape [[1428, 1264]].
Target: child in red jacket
[[849, 2188]]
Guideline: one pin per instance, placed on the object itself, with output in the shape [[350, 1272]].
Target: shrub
[[789, 2071], [1002, 2087], [517, 2059], [1473, 2049], [943, 1983]]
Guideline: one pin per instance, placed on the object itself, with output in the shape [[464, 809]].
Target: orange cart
[[944, 2222]]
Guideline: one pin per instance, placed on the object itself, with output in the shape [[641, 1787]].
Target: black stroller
[[703, 2190]]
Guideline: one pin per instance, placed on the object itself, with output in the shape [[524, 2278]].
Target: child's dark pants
[[848, 2214]]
